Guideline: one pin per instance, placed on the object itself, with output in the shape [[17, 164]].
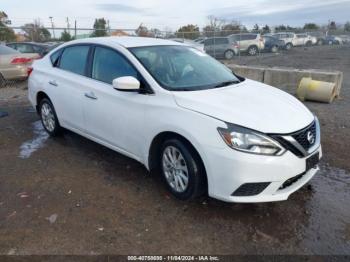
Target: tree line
[[219, 27]]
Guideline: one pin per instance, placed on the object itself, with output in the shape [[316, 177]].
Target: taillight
[[29, 70], [20, 60]]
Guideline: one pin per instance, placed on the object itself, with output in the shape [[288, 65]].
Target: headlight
[[249, 141]]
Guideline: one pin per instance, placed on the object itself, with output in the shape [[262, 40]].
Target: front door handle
[[91, 95], [53, 83]]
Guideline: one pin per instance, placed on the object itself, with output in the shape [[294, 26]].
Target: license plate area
[[312, 161]]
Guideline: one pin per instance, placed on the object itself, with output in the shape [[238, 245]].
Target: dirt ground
[[73, 196]]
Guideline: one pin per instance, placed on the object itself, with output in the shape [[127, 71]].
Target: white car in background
[[305, 40], [180, 113], [288, 37]]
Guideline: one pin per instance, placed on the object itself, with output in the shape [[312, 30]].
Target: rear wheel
[[182, 170], [274, 49], [308, 43], [253, 50], [49, 118], [229, 54], [289, 46]]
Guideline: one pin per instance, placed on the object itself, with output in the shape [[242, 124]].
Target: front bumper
[[228, 169]]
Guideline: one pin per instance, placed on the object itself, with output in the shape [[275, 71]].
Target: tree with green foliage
[[332, 25], [266, 29], [36, 32], [66, 36], [256, 28], [311, 26], [233, 27], [99, 28], [188, 31], [347, 27], [6, 34]]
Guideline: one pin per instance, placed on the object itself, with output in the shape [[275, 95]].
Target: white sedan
[[182, 114]]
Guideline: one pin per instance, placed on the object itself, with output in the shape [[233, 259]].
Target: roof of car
[[127, 41], [30, 43]]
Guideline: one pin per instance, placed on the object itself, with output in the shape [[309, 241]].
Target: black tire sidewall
[[2, 81], [57, 129], [195, 175]]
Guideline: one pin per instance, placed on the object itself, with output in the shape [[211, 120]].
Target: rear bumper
[[229, 169], [15, 73]]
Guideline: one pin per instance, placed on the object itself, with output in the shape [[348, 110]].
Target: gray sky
[[174, 13]]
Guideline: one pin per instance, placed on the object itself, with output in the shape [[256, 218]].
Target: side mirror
[[126, 83]]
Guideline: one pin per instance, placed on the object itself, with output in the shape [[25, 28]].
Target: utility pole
[[53, 28], [68, 25], [75, 29]]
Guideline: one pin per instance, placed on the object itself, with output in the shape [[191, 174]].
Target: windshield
[[181, 68]]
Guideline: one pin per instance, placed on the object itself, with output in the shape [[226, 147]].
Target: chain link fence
[[234, 46]]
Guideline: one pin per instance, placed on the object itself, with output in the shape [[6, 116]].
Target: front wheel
[[274, 49], [49, 118], [182, 170], [289, 46]]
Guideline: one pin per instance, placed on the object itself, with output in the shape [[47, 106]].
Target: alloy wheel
[[175, 169], [48, 117]]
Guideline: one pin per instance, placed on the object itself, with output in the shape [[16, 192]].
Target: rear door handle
[[91, 95], [53, 83]]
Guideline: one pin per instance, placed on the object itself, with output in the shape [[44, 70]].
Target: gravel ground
[[73, 196]]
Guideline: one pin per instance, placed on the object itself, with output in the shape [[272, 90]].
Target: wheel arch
[[40, 96], [155, 147]]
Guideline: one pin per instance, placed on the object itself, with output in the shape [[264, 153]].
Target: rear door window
[[221, 41], [208, 42], [74, 59]]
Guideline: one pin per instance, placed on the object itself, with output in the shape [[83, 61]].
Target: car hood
[[250, 104]]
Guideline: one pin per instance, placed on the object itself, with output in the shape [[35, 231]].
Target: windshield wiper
[[226, 83]]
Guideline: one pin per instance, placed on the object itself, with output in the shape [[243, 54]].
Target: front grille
[[302, 139], [250, 189], [288, 146], [291, 181]]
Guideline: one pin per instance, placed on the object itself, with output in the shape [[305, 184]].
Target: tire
[[274, 49], [308, 43], [49, 118], [2, 81], [289, 46], [185, 176], [229, 54], [252, 51]]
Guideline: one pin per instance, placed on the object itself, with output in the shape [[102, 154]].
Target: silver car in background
[[221, 47], [249, 43], [14, 65]]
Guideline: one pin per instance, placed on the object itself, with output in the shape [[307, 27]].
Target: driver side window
[[108, 65]]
